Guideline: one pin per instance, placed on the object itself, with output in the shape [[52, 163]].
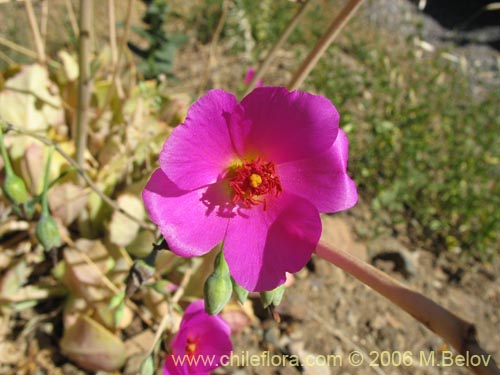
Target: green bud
[[218, 287], [220, 265], [217, 292], [15, 189], [13, 186], [273, 296], [47, 232], [241, 293]]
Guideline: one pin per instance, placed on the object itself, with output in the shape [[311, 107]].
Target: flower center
[[191, 346], [252, 180]]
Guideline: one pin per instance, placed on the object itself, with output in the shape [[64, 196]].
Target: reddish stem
[[456, 331]]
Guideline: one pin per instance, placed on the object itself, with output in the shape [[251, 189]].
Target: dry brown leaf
[[86, 279], [66, 201], [92, 346], [30, 101], [123, 230], [32, 167]]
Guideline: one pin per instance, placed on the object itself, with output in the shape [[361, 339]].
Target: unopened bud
[[217, 292], [273, 296], [15, 189], [241, 293], [47, 232], [220, 265], [218, 287]]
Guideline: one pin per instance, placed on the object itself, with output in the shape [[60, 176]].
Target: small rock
[[389, 252]]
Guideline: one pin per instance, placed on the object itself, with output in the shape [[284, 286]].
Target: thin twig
[[168, 317], [115, 67], [213, 46], [39, 98], [6, 58], [82, 173], [72, 17], [328, 37], [109, 284], [112, 44], [84, 82], [283, 37], [453, 329], [35, 95], [18, 48], [44, 21], [25, 51], [36, 31]]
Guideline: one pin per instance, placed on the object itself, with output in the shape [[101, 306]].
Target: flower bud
[[217, 291], [15, 189], [220, 265], [47, 232], [241, 293], [218, 287], [273, 296]]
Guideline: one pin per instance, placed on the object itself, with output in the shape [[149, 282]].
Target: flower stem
[[454, 330], [6, 160], [328, 37], [45, 206]]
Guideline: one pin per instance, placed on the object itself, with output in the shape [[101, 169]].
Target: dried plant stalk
[[328, 37], [459, 333], [44, 21], [213, 46], [71, 16], [272, 52], [36, 32], [113, 44], [84, 82]]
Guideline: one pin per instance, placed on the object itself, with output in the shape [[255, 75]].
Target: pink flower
[[254, 174], [199, 344], [249, 77]]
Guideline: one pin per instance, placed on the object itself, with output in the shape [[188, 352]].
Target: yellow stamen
[[255, 180], [190, 347]]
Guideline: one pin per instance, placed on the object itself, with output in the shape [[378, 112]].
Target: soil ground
[[326, 312]]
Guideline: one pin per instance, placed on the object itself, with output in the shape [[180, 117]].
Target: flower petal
[[210, 333], [185, 216], [283, 126], [171, 368], [196, 310], [322, 179], [200, 149], [261, 245]]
